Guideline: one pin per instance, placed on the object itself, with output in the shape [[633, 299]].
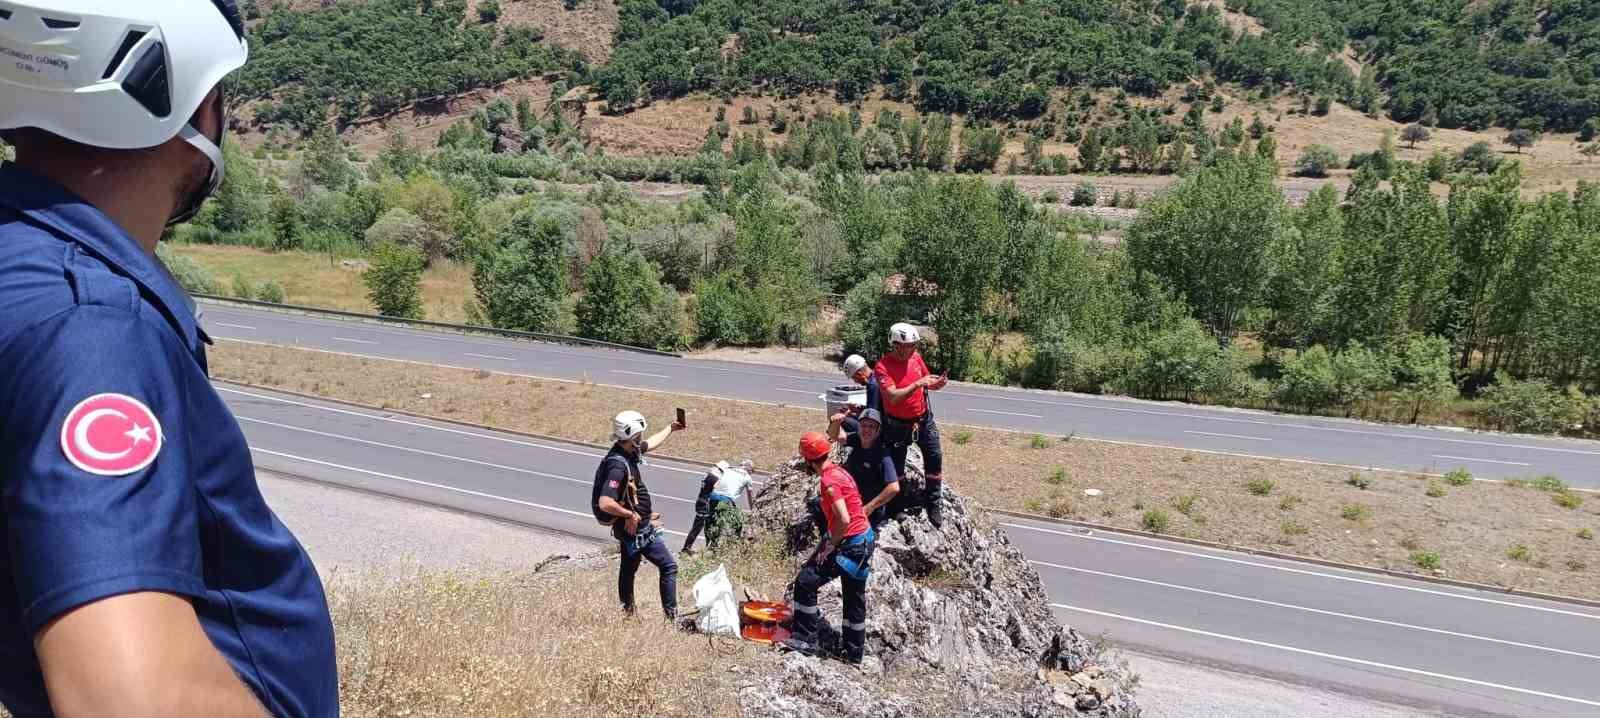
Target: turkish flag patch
[[612, 485], [111, 435]]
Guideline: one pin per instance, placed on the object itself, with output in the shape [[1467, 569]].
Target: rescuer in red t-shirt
[[904, 382], [844, 553]]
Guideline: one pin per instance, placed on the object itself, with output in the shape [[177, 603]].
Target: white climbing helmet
[[903, 333], [628, 425], [117, 74], [854, 365]]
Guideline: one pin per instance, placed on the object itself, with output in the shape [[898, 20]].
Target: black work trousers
[[655, 552], [814, 576]]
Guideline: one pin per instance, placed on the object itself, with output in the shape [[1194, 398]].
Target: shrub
[[1039, 442], [271, 292], [489, 11], [623, 299], [1308, 380], [1427, 560], [1288, 502], [402, 227], [1155, 521], [1292, 527], [1316, 160], [1533, 406], [1050, 196], [1549, 483], [1434, 491], [1359, 481], [1259, 487], [1568, 499], [1576, 565], [394, 281], [242, 288], [1586, 534], [190, 275], [1185, 504], [1354, 512], [1458, 477], [1057, 477], [522, 282], [1520, 552], [962, 438], [1084, 195]]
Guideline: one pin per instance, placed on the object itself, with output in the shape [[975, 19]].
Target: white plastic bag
[[719, 612]]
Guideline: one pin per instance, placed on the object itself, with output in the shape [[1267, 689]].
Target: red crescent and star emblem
[[111, 435]]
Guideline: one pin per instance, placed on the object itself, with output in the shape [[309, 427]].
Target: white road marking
[[1227, 436], [1331, 656], [799, 391], [1306, 572], [1486, 461], [1318, 611], [232, 326], [446, 429], [1005, 413], [501, 467], [432, 485], [1260, 422], [352, 341], [487, 356], [640, 373]]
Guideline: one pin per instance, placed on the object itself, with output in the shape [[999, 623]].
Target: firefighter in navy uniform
[[141, 572], [622, 500]]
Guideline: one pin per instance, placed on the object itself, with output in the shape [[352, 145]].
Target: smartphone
[[682, 420]]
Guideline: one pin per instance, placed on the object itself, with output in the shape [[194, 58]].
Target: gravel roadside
[[348, 530]]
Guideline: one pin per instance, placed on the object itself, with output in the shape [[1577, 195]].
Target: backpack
[[603, 518]]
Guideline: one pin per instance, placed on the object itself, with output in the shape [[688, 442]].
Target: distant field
[[315, 280]]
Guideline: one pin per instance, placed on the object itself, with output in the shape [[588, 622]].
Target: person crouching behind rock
[[844, 553], [622, 501]]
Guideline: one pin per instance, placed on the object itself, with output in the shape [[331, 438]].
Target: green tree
[[1415, 133], [1300, 292], [1208, 238], [1521, 139], [523, 282], [1315, 161], [400, 227], [1090, 149], [623, 299], [980, 150], [287, 226], [325, 162], [394, 281], [938, 143], [1309, 381], [241, 202], [1483, 216], [1258, 129], [1422, 373], [398, 158], [954, 242]]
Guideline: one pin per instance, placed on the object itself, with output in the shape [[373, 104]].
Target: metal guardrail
[[462, 328]]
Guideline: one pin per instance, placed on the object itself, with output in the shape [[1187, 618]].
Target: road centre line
[[429, 484], [1285, 425], [233, 326], [1306, 572], [502, 467], [1487, 461], [445, 429], [1227, 436], [1319, 611], [798, 391], [1331, 656], [640, 373], [487, 356], [352, 341], [1005, 413]]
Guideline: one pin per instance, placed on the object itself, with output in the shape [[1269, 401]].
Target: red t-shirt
[[837, 484], [895, 373]]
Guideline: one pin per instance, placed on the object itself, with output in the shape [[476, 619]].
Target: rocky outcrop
[[957, 624]]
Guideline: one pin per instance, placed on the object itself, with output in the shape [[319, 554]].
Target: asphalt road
[[1439, 649], [1357, 444]]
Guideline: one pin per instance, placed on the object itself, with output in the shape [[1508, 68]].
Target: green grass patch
[[1427, 560], [1057, 477], [1185, 504], [1458, 477], [1434, 490], [1039, 442], [1568, 499], [1355, 512], [1155, 521], [1520, 552], [1359, 481], [1260, 487], [1292, 527]]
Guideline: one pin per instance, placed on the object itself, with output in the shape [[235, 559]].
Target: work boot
[[801, 646], [935, 511]]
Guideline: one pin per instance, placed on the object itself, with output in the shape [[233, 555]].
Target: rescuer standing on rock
[[844, 553], [905, 382]]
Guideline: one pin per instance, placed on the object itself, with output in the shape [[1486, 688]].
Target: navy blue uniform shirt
[[121, 469]]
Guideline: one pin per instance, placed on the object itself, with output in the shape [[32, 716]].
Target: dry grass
[[1468, 529], [310, 279], [426, 642]]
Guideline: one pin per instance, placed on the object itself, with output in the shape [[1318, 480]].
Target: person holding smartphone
[[622, 500], [904, 380]]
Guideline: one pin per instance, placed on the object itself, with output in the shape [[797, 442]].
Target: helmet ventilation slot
[[133, 38], [59, 24]]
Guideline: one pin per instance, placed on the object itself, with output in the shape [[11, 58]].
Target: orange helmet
[[813, 446]]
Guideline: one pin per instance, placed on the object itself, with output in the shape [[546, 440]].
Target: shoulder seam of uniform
[[33, 326]]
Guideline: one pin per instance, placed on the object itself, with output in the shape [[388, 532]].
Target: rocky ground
[[957, 624]]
